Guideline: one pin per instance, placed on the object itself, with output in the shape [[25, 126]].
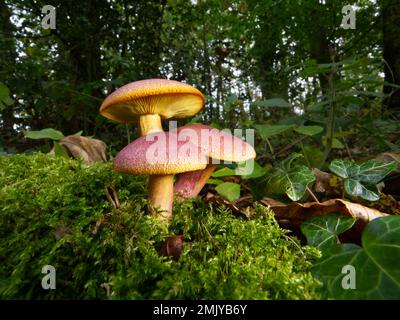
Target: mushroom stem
[[189, 184], [161, 195], [149, 123]]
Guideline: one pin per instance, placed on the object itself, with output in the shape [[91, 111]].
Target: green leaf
[[60, 151], [258, 171], [377, 275], [224, 172], [340, 167], [4, 91], [336, 144], [374, 171], [377, 94], [267, 130], [242, 169], [8, 101], [360, 179], [48, 133], [318, 106], [276, 102], [309, 130], [79, 133], [229, 190], [214, 181], [294, 183], [298, 182], [323, 231], [357, 189]]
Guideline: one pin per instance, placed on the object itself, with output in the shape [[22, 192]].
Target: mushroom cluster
[[191, 152]]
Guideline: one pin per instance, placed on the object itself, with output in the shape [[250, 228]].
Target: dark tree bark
[[391, 51], [7, 60]]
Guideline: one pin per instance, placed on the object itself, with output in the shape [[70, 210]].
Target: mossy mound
[[54, 211]]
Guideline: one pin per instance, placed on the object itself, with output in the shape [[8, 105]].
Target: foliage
[[290, 178], [55, 211], [258, 62], [360, 179], [47, 133], [375, 263], [5, 100], [229, 190], [323, 231]]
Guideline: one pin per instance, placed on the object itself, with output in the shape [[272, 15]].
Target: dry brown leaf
[[242, 206], [88, 149], [327, 183], [291, 216], [389, 157], [304, 211]]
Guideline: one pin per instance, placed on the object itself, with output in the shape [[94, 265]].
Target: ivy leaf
[[374, 171], [298, 181], [294, 182], [323, 231], [360, 179], [309, 130], [48, 133], [357, 189], [377, 275], [229, 190], [267, 130], [341, 167], [276, 102]]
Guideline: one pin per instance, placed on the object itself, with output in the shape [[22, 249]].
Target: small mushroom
[[149, 101], [160, 155], [217, 145]]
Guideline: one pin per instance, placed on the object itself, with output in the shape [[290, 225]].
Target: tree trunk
[[7, 61], [391, 51]]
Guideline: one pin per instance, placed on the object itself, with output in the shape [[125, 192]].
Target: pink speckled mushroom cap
[[217, 144], [167, 98], [160, 153]]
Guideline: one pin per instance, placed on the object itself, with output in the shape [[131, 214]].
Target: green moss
[[55, 211]]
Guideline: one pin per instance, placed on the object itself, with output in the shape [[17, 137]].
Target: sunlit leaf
[[267, 130], [275, 102], [48, 133], [323, 231], [309, 130], [375, 264], [229, 190]]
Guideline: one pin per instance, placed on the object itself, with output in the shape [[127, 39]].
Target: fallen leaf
[[304, 211], [88, 149], [389, 157], [327, 183], [294, 214], [241, 207], [173, 247]]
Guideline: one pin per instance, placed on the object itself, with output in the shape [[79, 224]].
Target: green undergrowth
[[54, 211]]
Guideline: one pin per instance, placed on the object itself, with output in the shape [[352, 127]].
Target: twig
[[312, 195]]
